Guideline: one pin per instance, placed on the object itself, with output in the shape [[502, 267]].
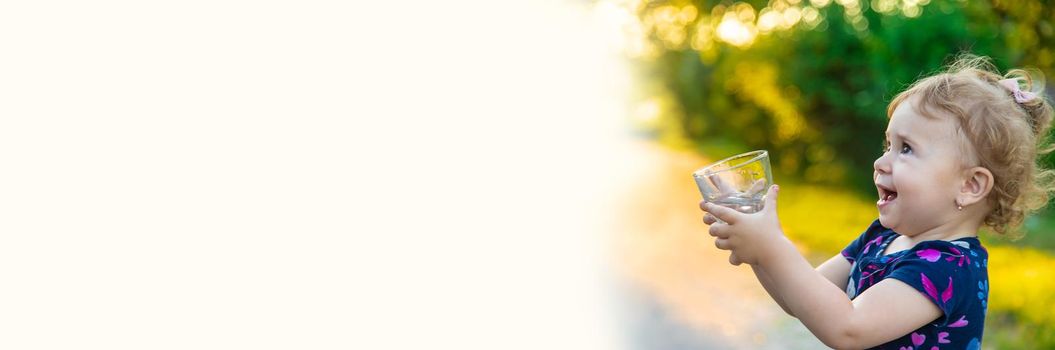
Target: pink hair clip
[[1020, 96]]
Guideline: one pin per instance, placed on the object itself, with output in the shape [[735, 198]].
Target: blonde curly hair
[[1003, 135]]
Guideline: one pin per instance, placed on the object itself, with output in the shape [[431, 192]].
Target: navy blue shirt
[[951, 274]]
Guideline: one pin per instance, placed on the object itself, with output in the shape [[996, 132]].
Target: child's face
[[918, 174]]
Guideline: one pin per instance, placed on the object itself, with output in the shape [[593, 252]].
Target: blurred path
[[680, 292]]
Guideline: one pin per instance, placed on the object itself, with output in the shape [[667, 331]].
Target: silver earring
[[958, 206]]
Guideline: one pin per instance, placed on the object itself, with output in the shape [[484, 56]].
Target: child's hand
[[710, 220], [748, 236]]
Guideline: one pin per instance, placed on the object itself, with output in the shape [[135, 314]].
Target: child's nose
[[881, 164]]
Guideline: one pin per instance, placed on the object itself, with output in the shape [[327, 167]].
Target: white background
[[307, 175]]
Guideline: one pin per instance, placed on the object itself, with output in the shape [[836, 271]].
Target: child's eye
[[905, 148]]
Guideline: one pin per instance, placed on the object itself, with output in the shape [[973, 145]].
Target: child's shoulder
[[960, 245], [875, 239], [957, 251]]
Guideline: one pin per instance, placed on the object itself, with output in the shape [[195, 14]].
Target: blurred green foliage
[[815, 93], [810, 80]]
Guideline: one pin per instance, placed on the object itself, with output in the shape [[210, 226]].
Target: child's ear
[[977, 182]]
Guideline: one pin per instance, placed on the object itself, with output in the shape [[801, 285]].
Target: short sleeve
[[941, 273], [859, 245]]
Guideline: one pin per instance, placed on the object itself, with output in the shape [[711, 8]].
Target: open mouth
[[886, 195]]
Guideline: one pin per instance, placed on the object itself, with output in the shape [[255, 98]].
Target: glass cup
[[739, 182]]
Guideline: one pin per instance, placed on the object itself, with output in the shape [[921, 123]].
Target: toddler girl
[[960, 153]]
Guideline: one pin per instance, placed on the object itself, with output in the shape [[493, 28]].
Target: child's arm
[[836, 270], [886, 311], [760, 273], [767, 284]]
